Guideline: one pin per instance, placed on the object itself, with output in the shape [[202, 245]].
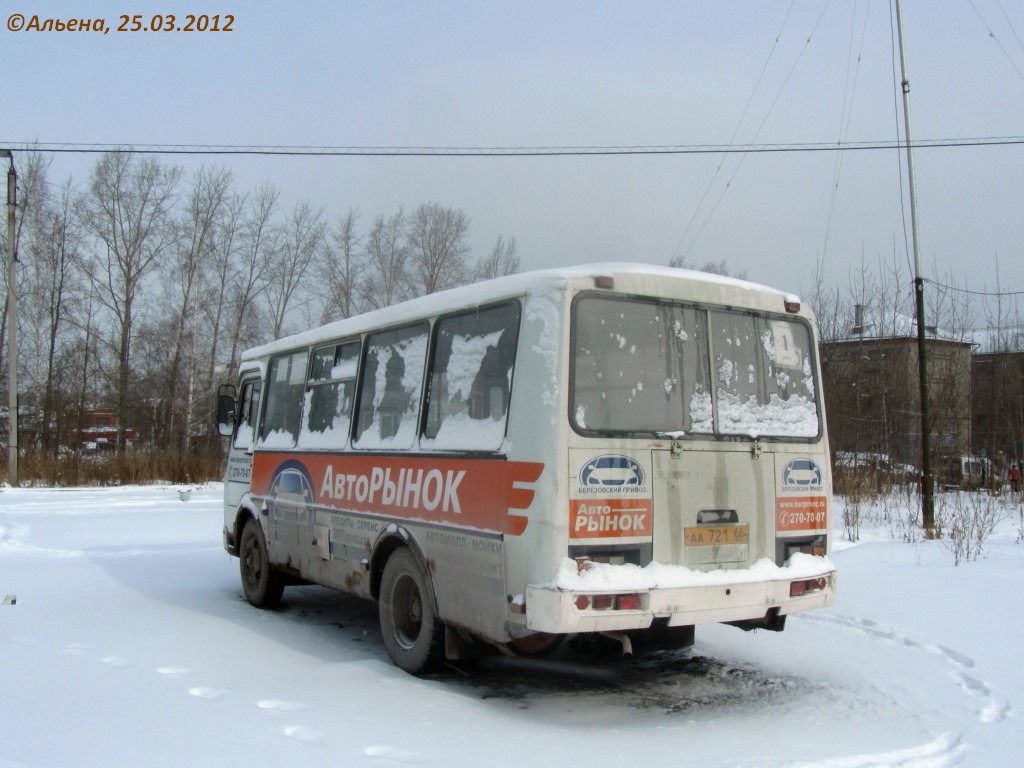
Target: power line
[[998, 42], [973, 293], [550, 151], [735, 133]]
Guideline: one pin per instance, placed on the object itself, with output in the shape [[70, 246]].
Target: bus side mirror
[[226, 411]]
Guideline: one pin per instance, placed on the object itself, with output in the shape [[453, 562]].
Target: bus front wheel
[[262, 585], [412, 633]]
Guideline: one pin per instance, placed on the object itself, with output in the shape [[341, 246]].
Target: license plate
[[717, 535]]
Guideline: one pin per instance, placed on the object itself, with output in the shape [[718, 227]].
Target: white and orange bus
[[609, 449]]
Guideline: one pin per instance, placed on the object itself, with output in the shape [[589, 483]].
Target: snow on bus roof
[[493, 290]]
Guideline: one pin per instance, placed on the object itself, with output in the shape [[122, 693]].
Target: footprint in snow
[[173, 671], [393, 754], [304, 734], [281, 706], [209, 694], [994, 712]]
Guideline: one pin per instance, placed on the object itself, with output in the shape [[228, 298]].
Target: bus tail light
[[797, 588], [812, 545], [608, 602], [630, 602]]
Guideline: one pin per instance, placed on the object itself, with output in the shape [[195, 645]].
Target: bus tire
[[412, 633], [263, 586]]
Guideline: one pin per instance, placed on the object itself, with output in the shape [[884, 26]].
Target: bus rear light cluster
[[797, 588], [815, 547], [608, 602]]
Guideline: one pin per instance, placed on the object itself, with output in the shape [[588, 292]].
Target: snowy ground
[[130, 645]]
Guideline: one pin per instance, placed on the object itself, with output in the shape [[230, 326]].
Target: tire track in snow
[[943, 752], [993, 710]]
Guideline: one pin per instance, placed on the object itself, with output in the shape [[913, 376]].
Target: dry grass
[[134, 467]]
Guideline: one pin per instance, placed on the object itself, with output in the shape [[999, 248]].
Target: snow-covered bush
[[968, 519], [851, 518]]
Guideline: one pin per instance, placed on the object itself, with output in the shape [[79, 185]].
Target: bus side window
[[328, 403], [471, 378], [390, 386], [286, 382]]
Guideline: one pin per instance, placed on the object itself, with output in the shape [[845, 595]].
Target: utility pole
[[927, 476], [12, 325]]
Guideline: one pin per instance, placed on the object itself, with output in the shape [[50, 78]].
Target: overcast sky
[[531, 74]]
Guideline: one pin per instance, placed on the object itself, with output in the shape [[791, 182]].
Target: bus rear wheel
[[263, 586], [412, 633]]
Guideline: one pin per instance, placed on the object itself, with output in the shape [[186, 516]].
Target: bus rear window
[[763, 379], [639, 367], [642, 367]]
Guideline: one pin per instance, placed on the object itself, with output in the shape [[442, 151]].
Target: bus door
[[239, 473]]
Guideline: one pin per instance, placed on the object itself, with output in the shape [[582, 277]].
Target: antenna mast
[[927, 476]]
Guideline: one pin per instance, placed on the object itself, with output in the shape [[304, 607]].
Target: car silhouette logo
[[611, 472], [291, 483], [801, 472]]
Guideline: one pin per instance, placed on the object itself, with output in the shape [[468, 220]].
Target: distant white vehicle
[[486, 462]]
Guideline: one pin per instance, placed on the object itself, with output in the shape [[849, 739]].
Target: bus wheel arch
[[244, 515], [390, 539], [263, 586], [413, 634]]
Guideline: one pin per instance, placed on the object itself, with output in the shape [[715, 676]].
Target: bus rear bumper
[[559, 611]]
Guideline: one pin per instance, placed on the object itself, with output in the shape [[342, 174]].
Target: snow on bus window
[[286, 379], [248, 413], [391, 381], [764, 384], [637, 366], [641, 366], [329, 394], [470, 379]]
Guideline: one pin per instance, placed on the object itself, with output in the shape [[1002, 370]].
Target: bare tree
[[437, 248], [214, 292], [339, 270], [300, 238], [502, 260], [129, 209], [198, 229], [386, 255], [258, 244], [711, 267], [54, 264]]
